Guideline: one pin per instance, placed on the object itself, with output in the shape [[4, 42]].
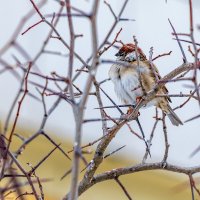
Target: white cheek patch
[[130, 57]]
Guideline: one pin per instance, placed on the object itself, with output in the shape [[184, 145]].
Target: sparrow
[[134, 81]]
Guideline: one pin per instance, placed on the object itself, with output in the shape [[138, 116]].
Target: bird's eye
[[120, 53]]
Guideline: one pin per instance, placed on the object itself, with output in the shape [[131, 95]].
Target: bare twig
[[161, 55], [17, 115], [180, 46], [113, 152], [166, 140], [123, 188]]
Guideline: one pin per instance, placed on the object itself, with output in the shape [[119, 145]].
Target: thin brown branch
[[110, 8], [166, 139], [113, 152], [78, 111], [123, 188], [198, 44], [150, 139], [102, 111], [29, 28], [17, 116], [161, 55], [71, 48], [179, 44], [191, 186], [111, 44], [37, 9], [32, 171]]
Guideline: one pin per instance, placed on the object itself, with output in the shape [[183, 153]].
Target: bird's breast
[[126, 83]]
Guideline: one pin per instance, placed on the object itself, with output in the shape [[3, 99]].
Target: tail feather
[[175, 120]]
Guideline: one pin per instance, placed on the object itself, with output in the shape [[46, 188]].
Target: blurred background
[[152, 29]]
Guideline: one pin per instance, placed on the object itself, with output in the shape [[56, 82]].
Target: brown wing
[[165, 90]]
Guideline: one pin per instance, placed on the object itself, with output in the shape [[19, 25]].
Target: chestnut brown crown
[[128, 48]]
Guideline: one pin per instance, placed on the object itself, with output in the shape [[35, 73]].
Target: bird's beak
[[117, 54]]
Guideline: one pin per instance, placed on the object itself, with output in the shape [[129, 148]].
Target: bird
[[134, 76]]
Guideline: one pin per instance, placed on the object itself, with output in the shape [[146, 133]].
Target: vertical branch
[[103, 115], [71, 48], [151, 137], [16, 117], [191, 186], [79, 111], [195, 81], [13, 106], [166, 139]]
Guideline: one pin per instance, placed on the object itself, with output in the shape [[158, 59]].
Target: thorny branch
[[76, 95]]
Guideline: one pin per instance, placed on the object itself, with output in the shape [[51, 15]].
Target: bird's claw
[[124, 116], [130, 110], [128, 113], [138, 99]]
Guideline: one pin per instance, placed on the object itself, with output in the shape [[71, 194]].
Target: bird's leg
[[138, 99], [130, 110]]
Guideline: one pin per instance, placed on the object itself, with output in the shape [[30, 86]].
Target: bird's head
[[128, 53]]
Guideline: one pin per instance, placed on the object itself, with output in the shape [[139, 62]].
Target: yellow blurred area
[[153, 185]]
